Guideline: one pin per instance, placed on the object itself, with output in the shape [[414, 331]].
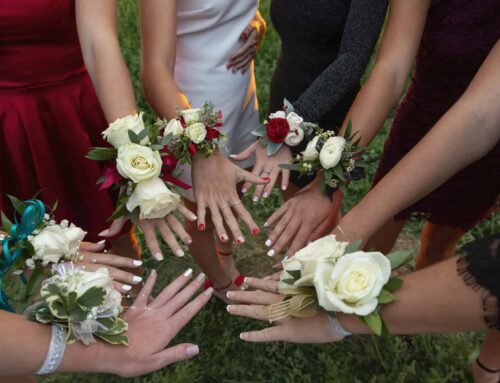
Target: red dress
[[49, 113]]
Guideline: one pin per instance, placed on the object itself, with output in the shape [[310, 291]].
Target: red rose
[[192, 149], [277, 130], [212, 134]]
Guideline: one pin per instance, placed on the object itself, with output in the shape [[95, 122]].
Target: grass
[[225, 359]]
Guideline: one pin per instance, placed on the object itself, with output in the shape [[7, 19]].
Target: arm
[[158, 31], [96, 22], [468, 131], [394, 62], [360, 35]]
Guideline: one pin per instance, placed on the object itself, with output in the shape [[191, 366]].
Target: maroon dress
[[458, 36], [49, 113]]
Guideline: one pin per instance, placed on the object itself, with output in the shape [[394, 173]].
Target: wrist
[[81, 358]]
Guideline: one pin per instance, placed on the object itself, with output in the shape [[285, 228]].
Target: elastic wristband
[[56, 351], [337, 328]]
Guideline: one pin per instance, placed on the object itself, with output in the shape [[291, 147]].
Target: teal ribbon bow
[[34, 211]]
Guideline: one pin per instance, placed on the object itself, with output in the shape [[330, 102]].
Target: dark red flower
[[277, 130], [183, 122], [169, 163], [212, 134], [192, 149]]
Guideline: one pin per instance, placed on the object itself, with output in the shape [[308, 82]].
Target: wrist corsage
[[141, 166], [333, 276], [193, 131], [283, 127]]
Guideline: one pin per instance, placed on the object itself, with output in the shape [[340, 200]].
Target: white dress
[[208, 33]]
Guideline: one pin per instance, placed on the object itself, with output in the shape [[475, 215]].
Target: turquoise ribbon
[[30, 219]]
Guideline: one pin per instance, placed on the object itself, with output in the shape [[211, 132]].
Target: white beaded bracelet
[[56, 351], [337, 328]]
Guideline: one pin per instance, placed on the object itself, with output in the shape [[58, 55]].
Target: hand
[[252, 36], [266, 166], [298, 218], [92, 258], [214, 184], [310, 330], [152, 326]]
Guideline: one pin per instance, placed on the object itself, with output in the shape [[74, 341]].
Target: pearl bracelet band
[[56, 351], [337, 328]]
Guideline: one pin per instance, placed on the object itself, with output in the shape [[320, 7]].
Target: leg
[[437, 243], [490, 358], [385, 238]]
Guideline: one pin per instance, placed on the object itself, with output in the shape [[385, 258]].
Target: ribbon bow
[[32, 215]]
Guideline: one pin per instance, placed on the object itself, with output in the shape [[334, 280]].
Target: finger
[[148, 228], [268, 285], [320, 230], [250, 41], [278, 230], [300, 240], [93, 247], [245, 154], [143, 297], [115, 228], [173, 354], [245, 68], [276, 215], [247, 218], [233, 224], [218, 222], [249, 311], [257, 169], [246, 32], [255, 297], [249, 177], [232, 60], [121, 287], [201, 213], [178, 229], [286, 237], [186, 213], [169, 239], [245, 58], [285, 178], [270, 334], [273, 277], [269, 187], [117, 274], [183, 316], [109, 260], [257, 193], [240, 56], [180, 299], [172, 289]]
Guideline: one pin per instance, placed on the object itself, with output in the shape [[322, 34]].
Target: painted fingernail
[[179, 253], [228, 308], [209, 291], [200, 277], [267, 179], [255, 199], [286, 258], [240, 240], [255, 231], [158, 256], [201, 226], [137, 279], [247, 280], [270, 253], [101, 242], [243, 190], [103, 233], [188, 272], [229, 294], [193, 217], [192, 350], [232, 155], [266, 224], [188, 241], [137, 263], [243, 336], [268, 242], [265, 195], [126, 287], [284, 187], [224, 238], [152, 272]]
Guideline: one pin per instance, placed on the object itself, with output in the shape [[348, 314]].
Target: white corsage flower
[[138, 162], [353, 284], [295, 136], [117, 132], [191, 115], [331, 152], [154, 199], [294, 120], [311, 153], [50, 245], [174, 127], [74, 235], [278, 114], [196, 132]]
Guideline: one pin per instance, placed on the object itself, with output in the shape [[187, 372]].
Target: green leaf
[[294, 167], [339, 172], [296, 274], [113, 339], [6, 223], [58, 309], [17, 203], [93, 297], [166, 140], [393, 284], [143, 134], [260, 131], [272, 148], [399, 258], [34, 281], [102, 154], [353, 246], [113, 325], [71, 301], [288, 281], [374, 322], [78, 314], [134, 138], [288, 106], [156, 147], [385, 329], [385, 297], [154, 131], [348, 130]]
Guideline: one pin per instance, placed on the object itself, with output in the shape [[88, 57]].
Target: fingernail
[[103, 233], [255, 199], [232, 155], [228, 308], [208, 291], [255, 231], [266, 224], [137, 279], [193, 217], [188, 241], [188, 272], [247, 280], [101, 242], [286, 258], [283, 187], [229, 294], [270, 253], [158, 256], [243, 336], [240, 240], [179, 253], [136, 262], [126, 287], [201, 226], [268, 242], [153, 272], [266, 179], [192, 350], [243, 190], [224, 238], [265, 195], [200, 277]]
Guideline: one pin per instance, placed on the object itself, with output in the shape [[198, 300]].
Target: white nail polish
[[127, 287], [188, 241], [270, 253], [103, 233], [188, 272], [232, 155], [224, 238], [137, 279], [265, 195], [192, 350], [268, 243], [101, 242], [242, 336], [228, 308], [244, 190], [209, 291], [194, 217], [266, 224], [200, 277], [136, 262], [283, 187], [179, 253], [286, 258], [255, 199], [240, 240], [158, 256]]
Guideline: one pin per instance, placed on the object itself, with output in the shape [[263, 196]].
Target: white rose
[[80, 281], [319, 251], [174, 127], [353, 284], [196, 132], [154, 199], [331, 152], [50, 244], [295, 136], [311, 153], [138, 163], [117, 132], [74, 235], [294, 120], [278, 114], [191, 115]]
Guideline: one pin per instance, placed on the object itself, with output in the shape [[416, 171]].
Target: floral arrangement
[[35, 240], [141, 166], [283, 127], [332, 276], [83, 302], [193, 131], [330, 154]]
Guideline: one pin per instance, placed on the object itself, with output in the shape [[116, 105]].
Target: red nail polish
[[201, 226], [266, 179], [256, 231], [238, 242]]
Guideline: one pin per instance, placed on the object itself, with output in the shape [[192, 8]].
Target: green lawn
[[224, 358]]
